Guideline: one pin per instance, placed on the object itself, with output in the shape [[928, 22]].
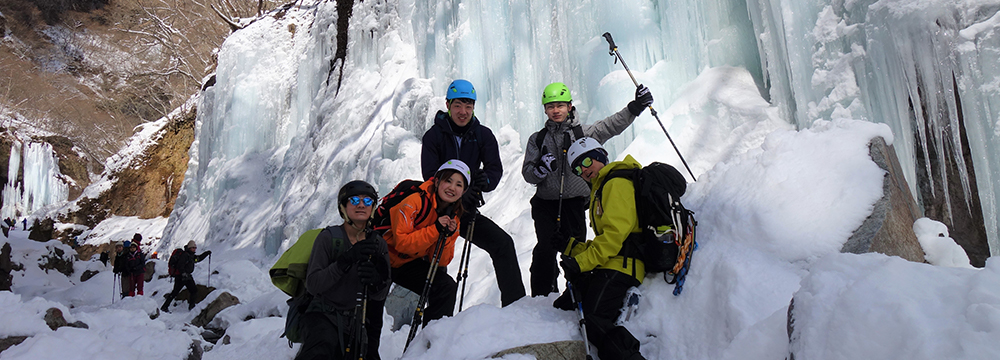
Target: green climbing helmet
[[556, 92]]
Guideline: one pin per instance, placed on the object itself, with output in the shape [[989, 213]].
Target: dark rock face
[[6, 343], [6, 266], [57, 260], [42, 230], [940, 169], [889, 229], [224, 301]]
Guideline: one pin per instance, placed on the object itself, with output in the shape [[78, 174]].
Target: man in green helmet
[[558, 207]]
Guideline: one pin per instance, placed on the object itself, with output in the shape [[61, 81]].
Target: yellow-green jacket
[[613, 218]]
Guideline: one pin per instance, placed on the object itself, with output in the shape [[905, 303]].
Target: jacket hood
[[628, 163]]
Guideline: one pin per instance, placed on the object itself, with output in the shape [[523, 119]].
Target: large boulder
[[42, 230], [559, 350], [889, 228], [220, 303], [55, 320], [400, 304]]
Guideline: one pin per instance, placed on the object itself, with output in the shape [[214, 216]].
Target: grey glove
[[544, 165]]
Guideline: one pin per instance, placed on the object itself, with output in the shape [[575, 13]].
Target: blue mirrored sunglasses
[[357, 200], [587, 162]]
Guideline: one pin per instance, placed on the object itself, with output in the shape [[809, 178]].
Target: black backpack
[[382, 222], [172, 269], [668, 228]]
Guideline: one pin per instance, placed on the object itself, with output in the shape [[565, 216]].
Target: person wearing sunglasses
[[458, 134], [347, 261], [602, 270], [558, 206], [412, 246]]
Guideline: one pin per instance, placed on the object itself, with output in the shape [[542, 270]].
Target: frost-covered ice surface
[[774, 204]]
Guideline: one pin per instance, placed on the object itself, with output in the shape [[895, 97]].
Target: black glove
[[351, 256], [367, 247], [571, 269], [443, 229], [479, 182], [207, 253], [560, 241], [643, 99], [544, 165], [368, 274], [476, 197]]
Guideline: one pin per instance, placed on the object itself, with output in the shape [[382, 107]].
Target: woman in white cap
[[412, 241]]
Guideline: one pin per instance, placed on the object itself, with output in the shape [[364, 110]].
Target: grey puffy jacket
[[548, 187]]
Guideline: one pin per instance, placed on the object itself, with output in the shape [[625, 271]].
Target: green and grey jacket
[[548, 187]]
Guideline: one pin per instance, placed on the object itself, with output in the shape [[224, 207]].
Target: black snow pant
[[490, 237], [324, 340], [180, 282], [440, 298], [603, 292], [544, 269]]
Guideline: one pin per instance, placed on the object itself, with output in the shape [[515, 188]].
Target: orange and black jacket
[[408, 240]]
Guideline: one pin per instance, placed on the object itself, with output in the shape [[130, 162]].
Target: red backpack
[[382, 222]]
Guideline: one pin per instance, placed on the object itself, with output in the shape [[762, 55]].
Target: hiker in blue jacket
[[458, 134], [184, 264]]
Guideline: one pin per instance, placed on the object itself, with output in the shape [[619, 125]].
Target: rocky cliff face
[[147, 187]]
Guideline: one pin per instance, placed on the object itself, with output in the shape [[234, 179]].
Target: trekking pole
[[466, 253], [583, 323], [418, 313], [358, 342], [209, 270], [114, 285], [614, 52]]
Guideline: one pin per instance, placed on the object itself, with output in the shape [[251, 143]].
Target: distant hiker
[[183, 263], [118, 265], [458, 134], [135, 269], [558, 207], [24, 224], [340, 276], [412, 246], [599, 273]]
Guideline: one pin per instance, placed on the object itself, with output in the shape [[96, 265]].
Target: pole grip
[[611, 42]]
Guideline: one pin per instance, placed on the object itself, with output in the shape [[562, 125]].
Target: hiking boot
[[165, 307], [564, 302], [190, 306]]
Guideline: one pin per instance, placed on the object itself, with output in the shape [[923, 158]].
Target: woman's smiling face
[[450, 189]]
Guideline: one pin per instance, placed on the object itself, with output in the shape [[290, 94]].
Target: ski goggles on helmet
[[357, 200], [587, 162]]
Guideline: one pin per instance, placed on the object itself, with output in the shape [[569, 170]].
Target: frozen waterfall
[[924, 68]]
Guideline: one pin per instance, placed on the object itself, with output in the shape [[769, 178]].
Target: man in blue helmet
[[458, 134]]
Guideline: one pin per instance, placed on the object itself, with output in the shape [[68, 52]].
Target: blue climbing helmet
[[461, 89]]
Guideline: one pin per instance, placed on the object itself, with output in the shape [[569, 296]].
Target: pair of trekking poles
[[463, 266]]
